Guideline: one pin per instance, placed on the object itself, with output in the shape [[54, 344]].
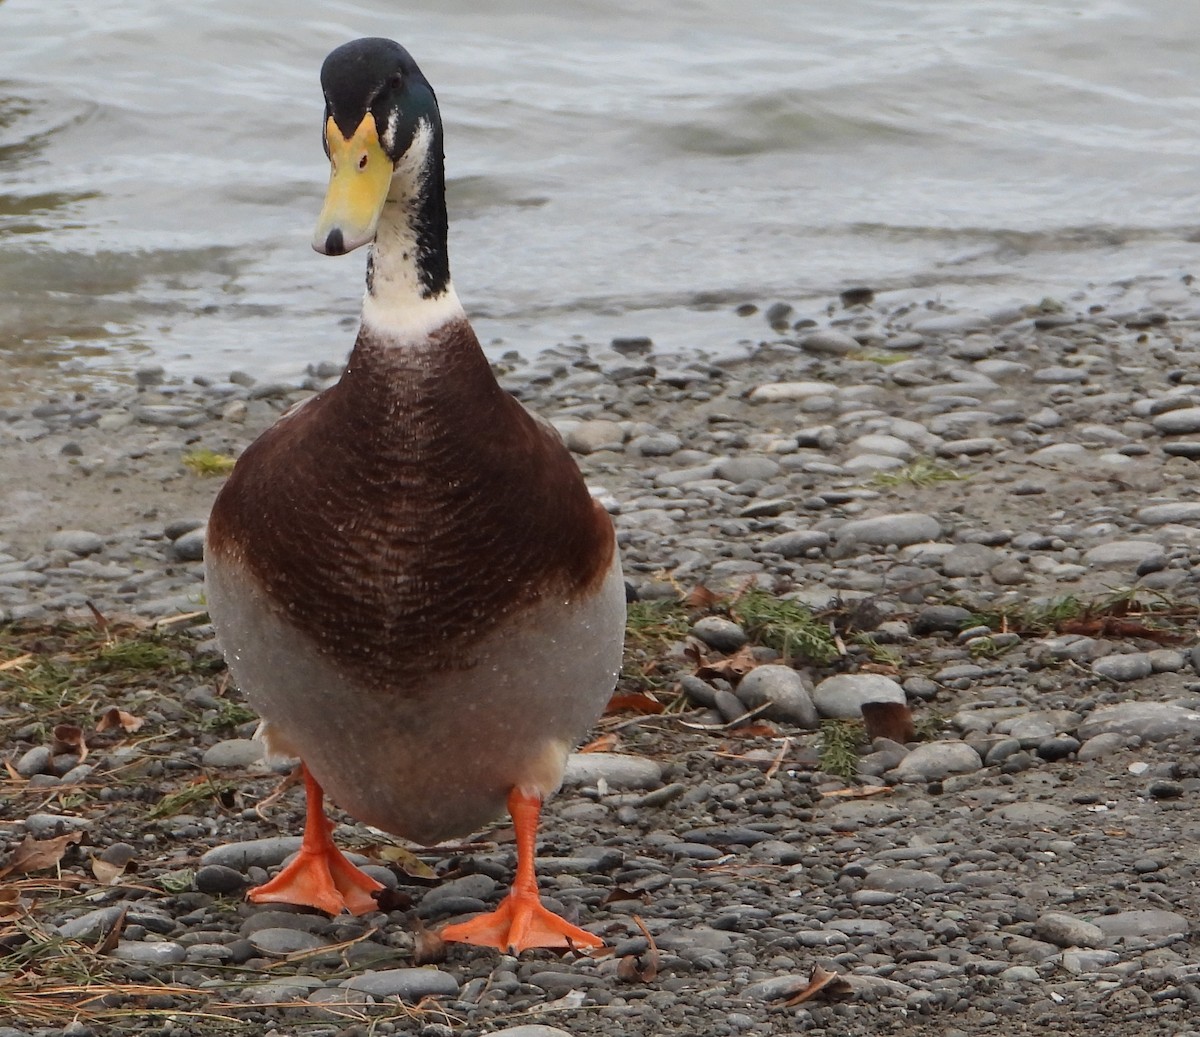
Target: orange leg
[[521, 921], [320, 876]]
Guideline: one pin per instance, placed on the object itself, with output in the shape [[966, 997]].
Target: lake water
[[612, 171]]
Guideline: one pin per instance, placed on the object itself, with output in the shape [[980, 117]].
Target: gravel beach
[[990, 520]]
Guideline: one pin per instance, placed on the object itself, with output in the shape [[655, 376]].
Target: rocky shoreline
[[992, 519]]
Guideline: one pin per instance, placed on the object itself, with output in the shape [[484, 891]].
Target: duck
[[407, 574]]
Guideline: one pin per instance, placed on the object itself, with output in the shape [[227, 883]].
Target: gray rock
[[1067, 930], [660, 444], [258, 853], [785, 691], [189, 547], [90, 924], [829, 343], [791, 392], [166, 952], [1177, 422], [720, 633], [406, 984], [888, 446], [1128, 666], [901, 529], [1122, 554], [278, 943], [1142, 925], [529, 1030], [968, 447], [589, 436], [46, 826], [747, 466], [617, 770], [936, 760], [932, 618], [1182, 512], [77, 541], [1079, 962], [968, 560], [1150, 721], [218, 879], [1100, 745], [234, 752], [798, 542], [842, 696], [901, 880], [775, 988], [35, 761]]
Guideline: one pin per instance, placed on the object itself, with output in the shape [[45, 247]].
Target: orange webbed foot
[[320, 876], [522, 921]]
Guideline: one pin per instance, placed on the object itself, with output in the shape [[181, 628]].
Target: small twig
[[778, 761], [732, 723]]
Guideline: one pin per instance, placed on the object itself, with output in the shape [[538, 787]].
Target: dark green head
[[377, 103]]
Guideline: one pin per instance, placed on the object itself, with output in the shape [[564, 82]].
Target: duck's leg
[[320, 876], [522, 921]]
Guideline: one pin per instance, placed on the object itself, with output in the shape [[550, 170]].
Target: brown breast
[[411, 508]]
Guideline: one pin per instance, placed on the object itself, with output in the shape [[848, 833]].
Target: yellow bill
[[359, 178]]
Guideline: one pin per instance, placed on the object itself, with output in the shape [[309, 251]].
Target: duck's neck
[[409, 292]]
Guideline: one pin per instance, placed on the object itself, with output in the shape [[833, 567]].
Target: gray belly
[[428, 756]]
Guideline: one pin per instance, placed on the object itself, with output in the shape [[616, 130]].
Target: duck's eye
[[362, 161]]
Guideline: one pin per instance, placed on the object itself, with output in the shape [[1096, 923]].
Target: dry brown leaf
[[428, 946], [407, 861], [618, 893], [12, 771], [642, 967], [889, 720], [118, 718], [106, 872], [604, 744], [633, 702], [17, 663], [701, 597], [108, 942], [10, 903], [733, 668], [822, 979], [757, 729], [38, 854], [68, 738]]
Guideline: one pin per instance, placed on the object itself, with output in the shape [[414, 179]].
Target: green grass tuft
[[208, 462], [921, 472], [840, 742], [785, 625]]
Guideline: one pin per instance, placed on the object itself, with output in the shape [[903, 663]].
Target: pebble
[[234, 753], [77, 541], [252, 853], [842, 696], [936, 760], [406, 984], [1149, 721], [1128, 666], [722, 634], [1067, 930], [166, 952], [904, 528], [783, 691], [616, 770]]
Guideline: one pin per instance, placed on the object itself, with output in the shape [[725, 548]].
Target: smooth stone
[[661, 444], [259, 853], [90, 924], [830, 343], [1182, 512], [529, 1030], [720, 633], [952, 324], [78, 541], [775, 988], [797, 543], [1057, 374], [900, 529], [1100, 745], [617, 770], [166, 952], [748, 466], [279, 943], [936, 760], [1067, 930], [590, 436], [218, 879], [406, 984], [47, 826], [784, 693], [34, 761], [1122, 554], [969, 560], [189, 547], [968, 447], [889, 446], [934, 618], [899, 880], [1177, 422], [1078, 962], [234, 752], [1128, 666], [1058, 748], [1149, 924], [790, 392], [842, 696]]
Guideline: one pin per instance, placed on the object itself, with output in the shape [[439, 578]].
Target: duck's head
[[378, 105]]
